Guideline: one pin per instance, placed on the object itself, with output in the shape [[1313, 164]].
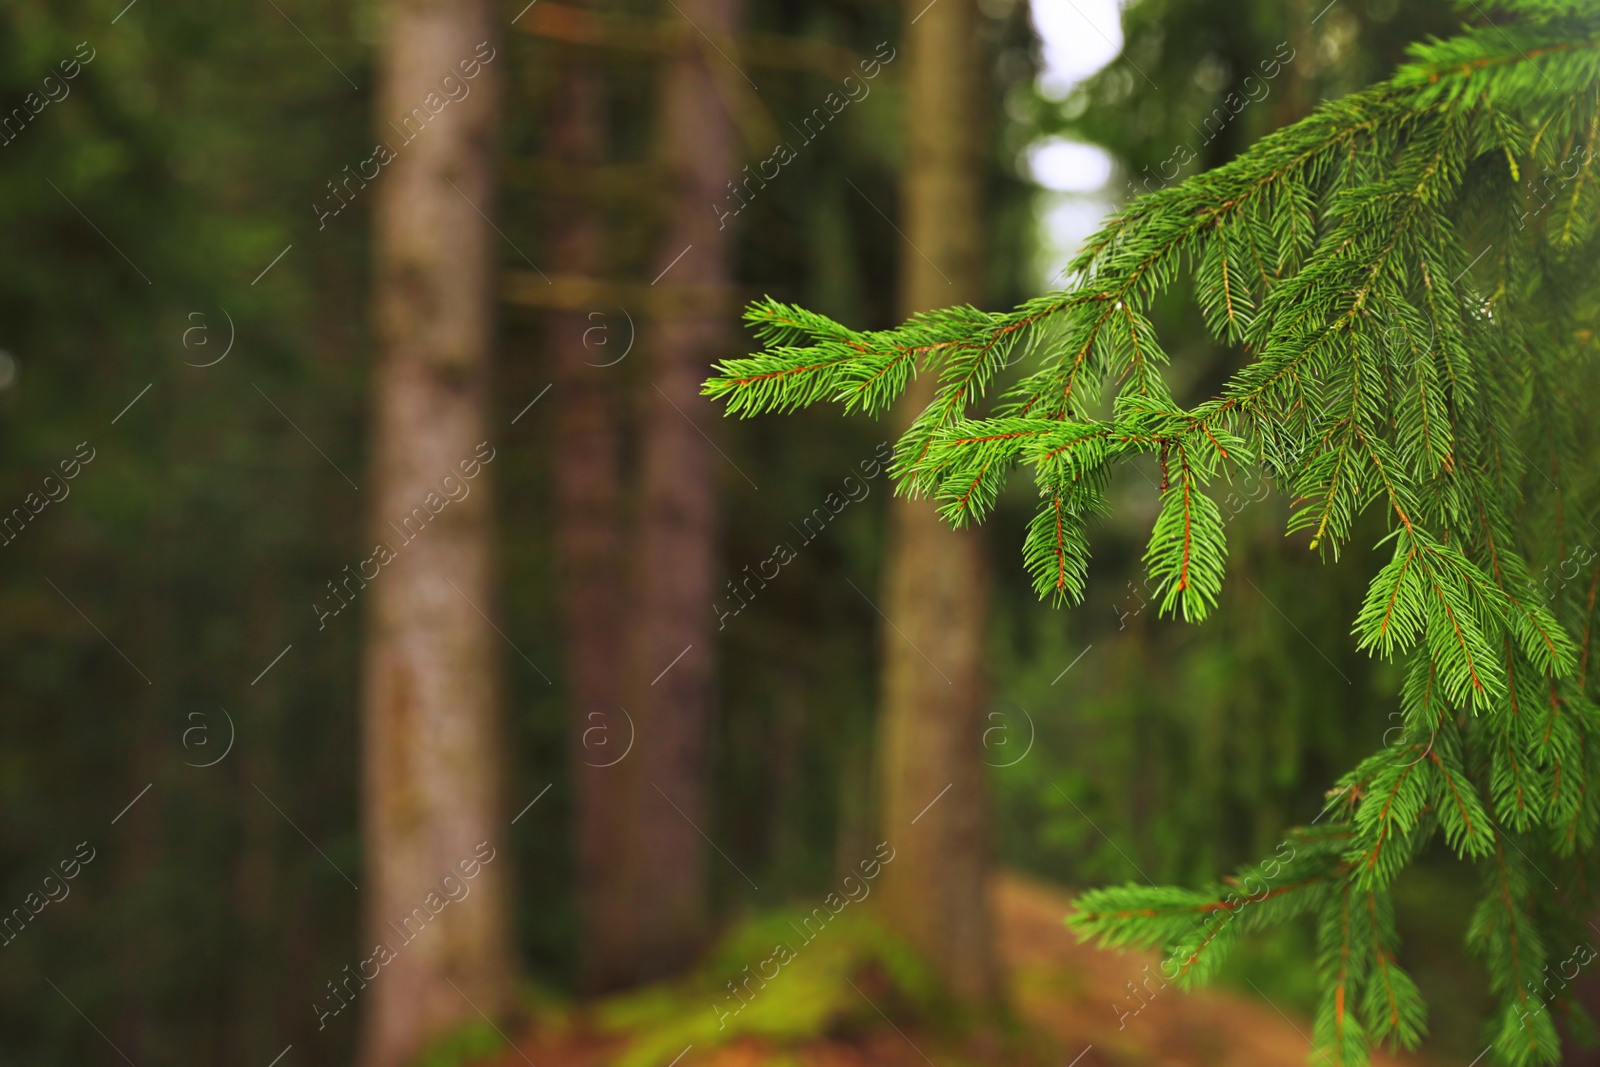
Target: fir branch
[[1408, 376]]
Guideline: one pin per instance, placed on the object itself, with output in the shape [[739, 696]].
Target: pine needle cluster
[[1410, 277]]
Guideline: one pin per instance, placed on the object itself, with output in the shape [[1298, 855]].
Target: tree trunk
[[669, 683], [935, 805], [432, 742], [584, 351]]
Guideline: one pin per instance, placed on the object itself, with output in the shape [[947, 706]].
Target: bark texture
[[669, 679], [585, 350], [935, 590], [431, 741]]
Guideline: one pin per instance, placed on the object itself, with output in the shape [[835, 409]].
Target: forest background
[[187, 325]]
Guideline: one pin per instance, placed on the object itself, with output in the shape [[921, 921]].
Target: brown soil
[[1074, 992]]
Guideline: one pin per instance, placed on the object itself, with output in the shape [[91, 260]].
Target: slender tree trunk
[[432, 741], [670, 676], [584, 353], [935, 805]]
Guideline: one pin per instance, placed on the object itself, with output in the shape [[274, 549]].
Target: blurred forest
[[198, 301]]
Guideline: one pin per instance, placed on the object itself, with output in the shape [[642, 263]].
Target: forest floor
[[1068, 998], [1068, 990]]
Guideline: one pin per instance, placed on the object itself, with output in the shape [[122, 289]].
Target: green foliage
[[1416, 325], [192, 143], [735, 994], [472, 1043]]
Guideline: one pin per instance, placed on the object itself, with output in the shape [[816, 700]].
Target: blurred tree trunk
[[432, 744], [669, 680], [583, 350], [935, 595]]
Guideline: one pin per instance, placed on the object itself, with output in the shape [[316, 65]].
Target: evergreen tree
[[200, 181], [1407, 277], [431, 701], [588, 495], [1185, 750], [674, 546], [935, 582]]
